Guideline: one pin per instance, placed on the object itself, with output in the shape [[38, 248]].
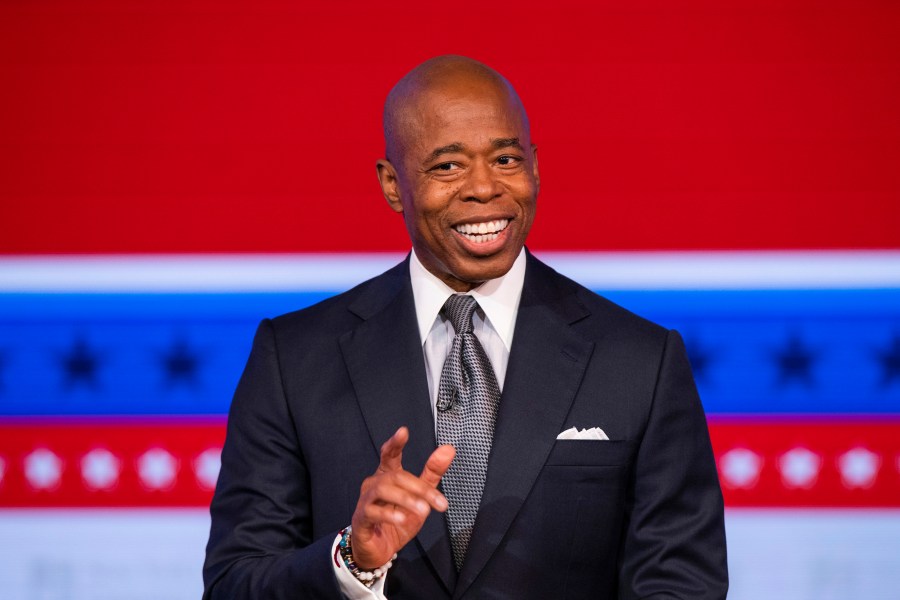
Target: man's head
[[461, 168]]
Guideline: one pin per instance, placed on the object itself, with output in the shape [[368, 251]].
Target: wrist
[[367, 577]]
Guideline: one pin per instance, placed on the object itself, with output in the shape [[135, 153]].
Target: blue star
[[890, 362], [795, 363], [80, 365], [180, 364], [701, 358]]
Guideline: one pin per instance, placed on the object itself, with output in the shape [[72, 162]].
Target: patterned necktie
[[467, 402]]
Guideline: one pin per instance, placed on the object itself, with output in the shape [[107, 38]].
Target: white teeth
[[482, 232]]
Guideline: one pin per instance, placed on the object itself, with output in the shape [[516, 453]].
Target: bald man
[[333, 484]]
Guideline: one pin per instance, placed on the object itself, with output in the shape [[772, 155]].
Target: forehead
[[471, 113]]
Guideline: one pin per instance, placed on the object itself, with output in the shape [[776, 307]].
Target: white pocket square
[[594, 433]]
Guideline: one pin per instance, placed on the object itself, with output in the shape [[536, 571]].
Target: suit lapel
[[546, 366], [384, 358]]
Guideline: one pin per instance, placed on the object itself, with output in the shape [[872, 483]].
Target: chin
[[476, 271]]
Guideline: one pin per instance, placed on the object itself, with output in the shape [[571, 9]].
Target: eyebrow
[[496, 143], [513, 142], [448, 149]]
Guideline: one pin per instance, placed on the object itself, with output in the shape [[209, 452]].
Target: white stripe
[[335, 272], [102, 554], [144, 554], [191, 273], [730, 270], [813, 554]]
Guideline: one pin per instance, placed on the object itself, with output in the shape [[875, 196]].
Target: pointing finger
[[392, 451]]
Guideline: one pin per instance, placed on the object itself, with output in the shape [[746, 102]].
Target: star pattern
[[180, 364], [207, 466], [795, 362], [799, 468], [890, 362], [738, 370], [43, 469], [767, 370], [115, 469], [821, 471], [859, 468], [100, 469], [80, 365], [740, 468], [157, 469], [701, 358]]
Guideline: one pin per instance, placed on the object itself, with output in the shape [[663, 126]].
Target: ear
[[390, 186], [534, 169]]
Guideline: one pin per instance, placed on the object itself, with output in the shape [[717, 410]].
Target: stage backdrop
[[172, 173]]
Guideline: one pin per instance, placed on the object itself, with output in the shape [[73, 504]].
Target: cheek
[[527, 204], [523, 188], [423, 222], [433, 202]]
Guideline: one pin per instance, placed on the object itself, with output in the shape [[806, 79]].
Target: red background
[[207, 126]]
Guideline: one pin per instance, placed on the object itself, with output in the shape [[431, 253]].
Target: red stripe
[[821, 443], [870, 442], [127, 443]]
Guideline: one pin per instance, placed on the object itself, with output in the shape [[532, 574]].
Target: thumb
[[437, 464]]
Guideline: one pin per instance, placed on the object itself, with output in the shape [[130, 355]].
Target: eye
[[445, 168], [508, 161]]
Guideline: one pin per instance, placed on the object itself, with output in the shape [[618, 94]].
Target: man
[[337, 418]]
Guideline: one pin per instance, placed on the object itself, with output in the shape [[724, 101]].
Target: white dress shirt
[[494, 323]]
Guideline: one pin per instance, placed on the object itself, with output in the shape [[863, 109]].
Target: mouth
[[482, 233]]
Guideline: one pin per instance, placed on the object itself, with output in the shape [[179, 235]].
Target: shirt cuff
[[351, 587]]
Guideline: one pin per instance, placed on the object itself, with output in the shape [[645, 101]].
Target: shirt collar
[[498, 298]]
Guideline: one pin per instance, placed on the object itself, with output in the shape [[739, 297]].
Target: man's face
[[466, 181]]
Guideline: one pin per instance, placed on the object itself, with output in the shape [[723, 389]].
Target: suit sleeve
[[260, 543], [675, 540]]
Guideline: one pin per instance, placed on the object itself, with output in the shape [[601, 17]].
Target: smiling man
[[411, 438]]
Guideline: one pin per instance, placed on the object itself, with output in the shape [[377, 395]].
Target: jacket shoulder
[[344, 311], [593, 312]]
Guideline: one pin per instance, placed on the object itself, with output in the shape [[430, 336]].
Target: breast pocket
[[590, 453], [582, 487]]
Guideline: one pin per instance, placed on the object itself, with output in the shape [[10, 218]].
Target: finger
[[437, 464], [435, 467], [375, 515], [400, 498], [404, 489], [403, 480], [392, 451]]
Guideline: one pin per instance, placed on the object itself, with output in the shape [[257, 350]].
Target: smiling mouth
[[480, 233]]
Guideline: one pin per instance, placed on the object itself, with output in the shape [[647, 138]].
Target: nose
[[481, 183]]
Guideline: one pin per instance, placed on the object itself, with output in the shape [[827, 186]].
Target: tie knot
[[459, 308]]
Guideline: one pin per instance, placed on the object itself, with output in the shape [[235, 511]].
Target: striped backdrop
[[172, 174]]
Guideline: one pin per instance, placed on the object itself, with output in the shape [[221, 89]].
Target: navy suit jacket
[[639, 516]]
